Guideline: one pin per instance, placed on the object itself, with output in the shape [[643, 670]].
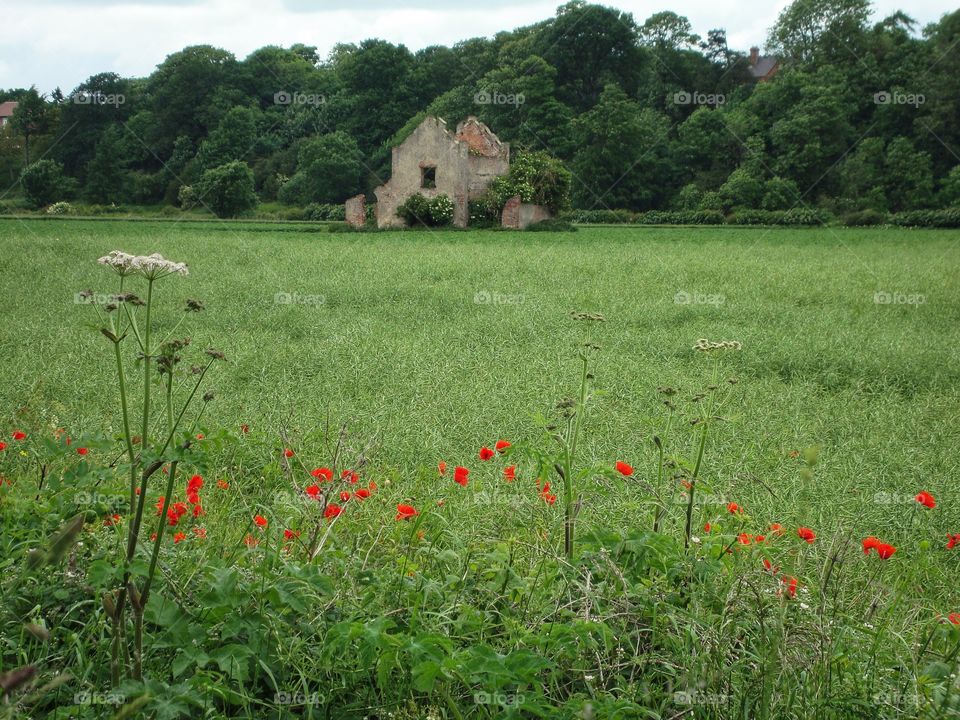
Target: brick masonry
[[356, 211], [464, 164]]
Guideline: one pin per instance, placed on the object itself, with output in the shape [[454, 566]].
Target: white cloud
[[58, 43]]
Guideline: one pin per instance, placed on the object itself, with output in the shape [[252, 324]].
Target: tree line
[[861, 115]]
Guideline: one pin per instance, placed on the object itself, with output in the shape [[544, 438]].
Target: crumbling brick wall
[[463, 165]]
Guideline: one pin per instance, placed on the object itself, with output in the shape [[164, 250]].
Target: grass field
[[431, 344]]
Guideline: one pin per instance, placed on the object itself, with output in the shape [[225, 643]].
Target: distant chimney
[[754, 55]]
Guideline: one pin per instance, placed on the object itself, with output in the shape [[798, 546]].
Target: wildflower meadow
[[259, 471]]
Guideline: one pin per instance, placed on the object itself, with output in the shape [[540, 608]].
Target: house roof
[[763, 66], [7, 108]]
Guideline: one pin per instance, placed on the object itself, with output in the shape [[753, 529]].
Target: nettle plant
[[149, 434]]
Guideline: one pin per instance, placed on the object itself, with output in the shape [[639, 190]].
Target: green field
[[431, 344]]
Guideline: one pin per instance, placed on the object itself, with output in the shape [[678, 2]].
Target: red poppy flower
[[160, 502], [776, 529], [290, 534], [486, 453], [546, 495], [223, 484], [153, 537], [179, 537], [199, 436], [198, 511], [770, 567], [244, 428], [313, 491], [372, 486], [362, 493], [510, 473], [869, 544], [200, 532], [322, 474], [461, 476], [287, 452], [442, 467], [885, 551], [3, 445], [260, 521], [502, 445], [349, 475], [111, 520], [82, 451], [624, 469], [791, 583], [686, 484], [405, 512], [706, 528], [954, 618], [926, 499], [952, 541], [733, 508], [19, 435], [195, 483], [744, 538], [176, 511], [332, 511], [251, 541], [807, 534], [344, 496], [760, 538]]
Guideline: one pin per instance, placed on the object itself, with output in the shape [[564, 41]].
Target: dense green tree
[[949, 195], [228, 190], [182, 91], [622, 159], [32, 117], [590, 46], [329, 169], [233, 139], [908, 175], [106, 171], [816, 32], [43, 183], [741, 190], [862, 176]]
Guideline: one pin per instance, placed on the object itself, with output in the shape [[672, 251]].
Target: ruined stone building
[[432, 161]]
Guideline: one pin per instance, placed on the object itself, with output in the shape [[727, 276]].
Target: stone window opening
[[428, 177]]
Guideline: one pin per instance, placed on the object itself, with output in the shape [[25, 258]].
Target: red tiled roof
[[7, 108]]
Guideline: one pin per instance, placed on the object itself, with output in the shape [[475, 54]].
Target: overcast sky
[[53, 43]]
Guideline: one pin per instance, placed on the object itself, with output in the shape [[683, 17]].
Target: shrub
[[61, 208], [441, 210], [228, 189], [688, 198], [43, 182], [319, 212], [418, 210], [710, 200], [415, 210], [187, 197], [552, 225], [741, 190], [780, 194], [863, 218], [537, 178], [948, 218]]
